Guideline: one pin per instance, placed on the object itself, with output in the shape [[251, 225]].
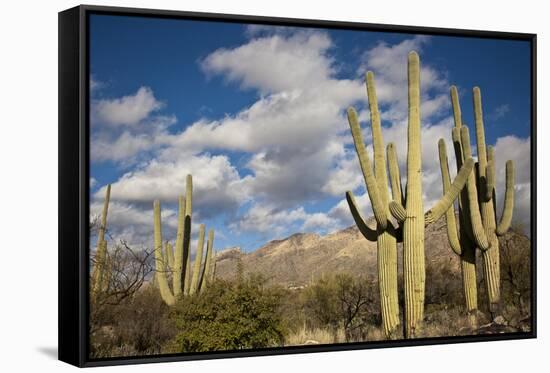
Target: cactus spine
[[481, 196], [377, 188], [411, 216], [177, 260], [98, 274]]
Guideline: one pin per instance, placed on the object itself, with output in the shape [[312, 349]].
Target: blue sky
[[256, 114]]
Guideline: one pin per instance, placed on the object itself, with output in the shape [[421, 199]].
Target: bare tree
[[126, 271]]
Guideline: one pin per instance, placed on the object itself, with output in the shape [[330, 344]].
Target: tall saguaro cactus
[[177, 260], [459, 240], [482, 197], [98, 274], [377, 188], [412, 214]]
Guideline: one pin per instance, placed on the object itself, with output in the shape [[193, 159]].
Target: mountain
[[302, 257]]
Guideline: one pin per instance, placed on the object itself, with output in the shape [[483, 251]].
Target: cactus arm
[[214, 265], [457, 113], [480, 133], [205, 275], [198, 262], [449, 197], [103, 226], [380, 167], [450, 217], [169, 253], [478, 230], [395, 176], [165, 292], [369, 233], [398, 211], [186, 270], [490, 175], [506, 218], [179, 252], [370, 180]]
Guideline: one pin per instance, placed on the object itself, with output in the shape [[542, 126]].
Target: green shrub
[[229, 316]]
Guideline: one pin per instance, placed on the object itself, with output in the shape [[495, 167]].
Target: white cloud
[[122, 148], [128, 110], [263, 218], [217, 186], [294, 137], [518, 150], [275, 63]]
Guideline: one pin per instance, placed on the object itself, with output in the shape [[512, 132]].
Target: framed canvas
[[235, 186]]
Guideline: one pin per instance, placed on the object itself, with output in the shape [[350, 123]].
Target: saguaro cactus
[[459, 240], [411, 215], [98, 273], [482, 197], [171, 260], [377, 188]]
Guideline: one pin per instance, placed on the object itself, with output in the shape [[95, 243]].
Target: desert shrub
[[515, 269], [341, 302], [229, 316], [139, 325], [444, 284]]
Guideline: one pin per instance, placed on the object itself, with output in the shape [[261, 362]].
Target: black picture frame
[[74, 182]]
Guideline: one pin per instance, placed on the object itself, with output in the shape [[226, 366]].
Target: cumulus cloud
[[293, 142], [275, 63], [518, 150], [128, 110], [125, 129], [217, 186]]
